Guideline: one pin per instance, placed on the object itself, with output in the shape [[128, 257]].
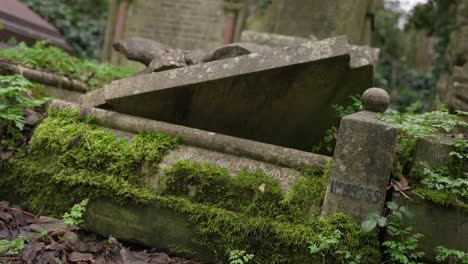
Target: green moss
[[74, 155], [178, 251], [272, 241], [71, 158], [440, 198], [305, 199], [207, 184]]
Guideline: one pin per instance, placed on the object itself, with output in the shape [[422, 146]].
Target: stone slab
[[362, 164], [150, 226], [435, 152], [280, 97], [234, 164], [63, 94], [446, 226]]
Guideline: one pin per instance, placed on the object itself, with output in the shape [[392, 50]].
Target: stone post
[[363, 160]]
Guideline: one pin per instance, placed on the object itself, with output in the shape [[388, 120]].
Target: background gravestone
[[453, 83], [184, 24], [322, 19]]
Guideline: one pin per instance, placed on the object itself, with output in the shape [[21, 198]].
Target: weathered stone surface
[[140, 49], [255, 155], [63, 94], [375, 100], [323, 19], [184, 24], [145, 225], [234, 164], [435, 152], [440, 225], [362, 164], [281, 97], [273, 40], [233, 50]]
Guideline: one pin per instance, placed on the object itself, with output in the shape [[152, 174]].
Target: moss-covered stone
[[72, 158]]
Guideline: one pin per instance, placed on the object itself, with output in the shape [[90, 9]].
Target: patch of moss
[[440, 198], [270, 240], [251, 192], [71, 158], [72, 154]]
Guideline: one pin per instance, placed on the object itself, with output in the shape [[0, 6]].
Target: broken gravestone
[[363, 160], [280, 96]]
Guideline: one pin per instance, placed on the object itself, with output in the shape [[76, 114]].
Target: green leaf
[[381, 221], [392, 205], [369, 224]]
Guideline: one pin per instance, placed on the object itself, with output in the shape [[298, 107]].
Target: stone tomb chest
[[280, 96]]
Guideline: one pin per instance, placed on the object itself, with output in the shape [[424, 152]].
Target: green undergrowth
[[252, 193], [71, 158], [445, 185], [47, 57]]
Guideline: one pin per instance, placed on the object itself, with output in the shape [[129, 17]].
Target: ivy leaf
[[369, 224], [381, 221], [406, 212], [392, 205]]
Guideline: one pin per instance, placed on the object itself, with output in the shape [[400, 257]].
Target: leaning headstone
[[323, 19], [363, 160], [183, 24], [281, 96]]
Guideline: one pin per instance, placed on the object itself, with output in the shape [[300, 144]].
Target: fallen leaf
[[81, 257]]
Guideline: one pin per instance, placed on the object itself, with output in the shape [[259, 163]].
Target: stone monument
[[363, 160], [281, 96], [184, 24]]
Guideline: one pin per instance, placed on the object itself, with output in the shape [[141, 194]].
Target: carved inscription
[[186, 24], [354, 191]]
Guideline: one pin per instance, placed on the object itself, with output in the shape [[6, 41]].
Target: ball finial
[[375, 100]]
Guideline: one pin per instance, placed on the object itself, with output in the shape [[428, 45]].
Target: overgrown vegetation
[[327, 146], [47, 57], [451, 180], [403, 247], [81, 22], [15, 98], [207, 184], [327, 245], [412, 86], [13, 247], [71, 159], [450, 256], [74, 217], [240, 257]]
